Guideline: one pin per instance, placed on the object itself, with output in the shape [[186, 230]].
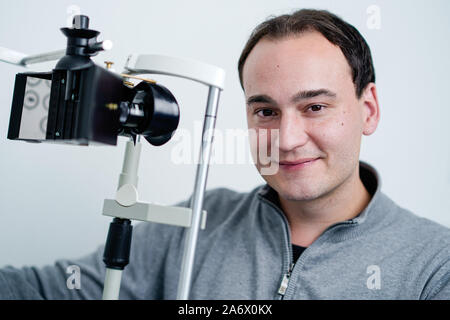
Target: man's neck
[[309, 219]]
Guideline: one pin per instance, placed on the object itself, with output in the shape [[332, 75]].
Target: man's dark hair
[[336, 30]]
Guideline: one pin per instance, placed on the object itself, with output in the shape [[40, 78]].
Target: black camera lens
[[153, 112]]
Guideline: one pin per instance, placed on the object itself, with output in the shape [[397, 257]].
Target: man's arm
[[54, 282]]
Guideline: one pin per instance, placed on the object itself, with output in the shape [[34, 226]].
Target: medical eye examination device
[[82, 103]]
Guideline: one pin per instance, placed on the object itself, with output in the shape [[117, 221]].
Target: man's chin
[[295, 193]]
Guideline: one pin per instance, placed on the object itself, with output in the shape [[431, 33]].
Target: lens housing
[[152, 112]]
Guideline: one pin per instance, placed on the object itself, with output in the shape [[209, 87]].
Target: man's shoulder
[[414, 227], [226, 204], [218, 201], [425, 244]]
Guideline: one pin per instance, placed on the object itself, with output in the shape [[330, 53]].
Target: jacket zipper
[[286, 277], [285, 281]]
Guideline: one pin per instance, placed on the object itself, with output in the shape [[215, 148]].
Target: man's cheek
[[339, 145]]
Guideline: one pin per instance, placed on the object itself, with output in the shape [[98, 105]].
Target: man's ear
[[371, 112]]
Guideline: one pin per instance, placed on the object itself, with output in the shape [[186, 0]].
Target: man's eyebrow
[[262, 98], [307, 94], [301, 95]]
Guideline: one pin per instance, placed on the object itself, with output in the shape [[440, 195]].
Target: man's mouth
[[297, 164]]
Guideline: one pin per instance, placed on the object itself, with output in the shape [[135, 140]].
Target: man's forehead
[[308, 60], [296, 48]]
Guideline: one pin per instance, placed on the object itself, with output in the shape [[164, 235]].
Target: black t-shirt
[[297, 251]]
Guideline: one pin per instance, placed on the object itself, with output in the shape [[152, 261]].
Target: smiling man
[[302, 85], [321, 228]]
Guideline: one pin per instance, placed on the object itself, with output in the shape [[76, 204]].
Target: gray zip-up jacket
[[386, 252]]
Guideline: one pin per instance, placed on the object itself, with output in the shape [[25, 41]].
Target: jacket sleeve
[[58, 281], [55, 281]]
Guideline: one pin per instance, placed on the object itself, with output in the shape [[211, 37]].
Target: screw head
[[109, 64]]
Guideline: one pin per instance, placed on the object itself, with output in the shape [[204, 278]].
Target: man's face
[[303, 87]]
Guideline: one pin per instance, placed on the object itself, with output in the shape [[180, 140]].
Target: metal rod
[[11, 56], [130, 163], [191, 235], [111, 287]]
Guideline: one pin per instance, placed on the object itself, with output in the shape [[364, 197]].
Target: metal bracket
[[176, 216]]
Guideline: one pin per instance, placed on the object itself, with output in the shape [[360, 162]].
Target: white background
[[51, 196]]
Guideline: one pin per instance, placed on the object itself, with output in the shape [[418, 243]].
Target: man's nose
[[292, 132]]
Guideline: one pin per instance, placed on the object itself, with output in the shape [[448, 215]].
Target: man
[[320, 228]]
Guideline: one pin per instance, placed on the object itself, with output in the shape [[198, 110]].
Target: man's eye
[[265, 113], [316, 108]]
